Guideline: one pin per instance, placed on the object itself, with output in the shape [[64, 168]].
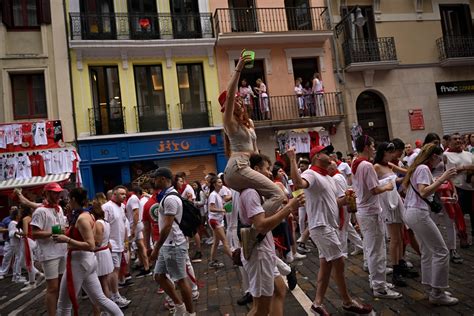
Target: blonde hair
[[425, 154]]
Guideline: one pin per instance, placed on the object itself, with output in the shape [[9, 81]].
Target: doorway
[[106, 100], [243, 15], [143, 19], [99, 19], [298, 15], [371, 116], [186, 19], [305, 68]]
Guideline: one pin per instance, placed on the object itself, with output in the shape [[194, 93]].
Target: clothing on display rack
[[302, 141]]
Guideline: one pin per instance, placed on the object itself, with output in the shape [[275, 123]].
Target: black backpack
[[191, 219]]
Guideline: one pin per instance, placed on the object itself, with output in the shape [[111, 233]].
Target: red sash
[[453, 210], [27, 254], [102, 248], [70, 282]]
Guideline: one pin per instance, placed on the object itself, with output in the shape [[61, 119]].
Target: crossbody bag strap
[[418, 193]]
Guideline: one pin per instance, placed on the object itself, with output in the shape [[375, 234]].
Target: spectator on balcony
[[299, 91], [261, 89], [309, 99], [318, 92], [247, 95]]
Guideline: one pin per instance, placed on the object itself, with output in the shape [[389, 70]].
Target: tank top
[[242, 139], [105, 238]]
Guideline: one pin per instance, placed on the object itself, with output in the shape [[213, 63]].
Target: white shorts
[[116, 259], [138, 231], [261, 270], [327, 241], [53, 268], [393, 216]]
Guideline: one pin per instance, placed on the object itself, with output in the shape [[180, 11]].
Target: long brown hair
[[242, 119], [425, 154], [97, 203]]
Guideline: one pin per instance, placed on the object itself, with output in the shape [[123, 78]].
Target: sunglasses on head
[[390, 147]]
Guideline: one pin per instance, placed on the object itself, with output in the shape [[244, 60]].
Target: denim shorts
[[172, 261]]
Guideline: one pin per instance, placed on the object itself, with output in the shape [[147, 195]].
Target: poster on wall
[[416, 119]]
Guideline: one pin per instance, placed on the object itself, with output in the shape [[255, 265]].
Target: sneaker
[[128, 277], [319, 310], [289, 257], [121, 301], [454, 257], [246, 299], [169, 304], [29, 287], [283, 268], [210, 241], [292, 280], [387, 293], [143, 273], [357, 308], [300, 240], [302, 248], [299, 256], [443, 299], [160, 291], [20, 279], [180, 310], [357, 251], [216, 264], [195, 295], [197, 257], [125, 283], [248, 240]]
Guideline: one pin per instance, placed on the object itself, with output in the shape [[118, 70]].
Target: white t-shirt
[[421, 175], [23, 171], [216, 199], [47, 156], [344, 169], [464, 158], [321, 200], [56, 167], [17, 134], [115, 215], [40, 134], [172, 205], [251, 206], [12, 229], [410, 159], [45, 218], [132, 203], [225, 191], [364, 180], [12, 165], [143, 201], [3, 137], [188, 191]]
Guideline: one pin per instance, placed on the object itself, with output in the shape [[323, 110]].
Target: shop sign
[[172, 146], [416, 119], [454, 87]]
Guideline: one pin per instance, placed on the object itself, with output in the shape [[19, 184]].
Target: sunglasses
[[390, 147]]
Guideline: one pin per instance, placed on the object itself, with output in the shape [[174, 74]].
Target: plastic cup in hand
[[297, 193], [251, 54], [228, 207], [56, 229]]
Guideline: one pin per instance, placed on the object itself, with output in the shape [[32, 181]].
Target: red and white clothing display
[[40, 137]]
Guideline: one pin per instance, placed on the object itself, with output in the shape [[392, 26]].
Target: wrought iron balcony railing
[[455, 47], [291, 107], [195, 114], [372, 50], [151, 118], [138, 26], [106, 120], [271, 19]]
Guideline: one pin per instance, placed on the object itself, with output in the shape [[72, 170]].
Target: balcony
[[372, 54], [152, 118], [456, 50], [107, 120], [284, 110], [272, 25], [195, 114], [146, 26]]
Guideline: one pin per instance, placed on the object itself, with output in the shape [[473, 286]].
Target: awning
[[34, 181]]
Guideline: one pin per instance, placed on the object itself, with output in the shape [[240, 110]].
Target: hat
[[418, 143], [317, 149], [53, 186], [162, 172], [222, 98]]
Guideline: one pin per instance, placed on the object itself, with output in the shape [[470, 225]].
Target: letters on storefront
[[171, 145]]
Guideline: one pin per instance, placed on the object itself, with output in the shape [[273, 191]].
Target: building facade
[[406, 67], [292, 39], [34, 81], [145, 88]]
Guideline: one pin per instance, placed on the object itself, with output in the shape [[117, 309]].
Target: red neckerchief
[[48, 205], [180, 191], [338, 162], [320, 170], [450, 150], [335, 172], [356, 164]]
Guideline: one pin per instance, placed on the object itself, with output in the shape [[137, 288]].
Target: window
[[456, 19], [29, 96], [25, 14]]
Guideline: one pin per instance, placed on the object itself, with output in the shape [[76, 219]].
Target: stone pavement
[[221, 289]]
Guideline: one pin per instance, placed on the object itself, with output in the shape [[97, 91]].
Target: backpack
[[191, 219]]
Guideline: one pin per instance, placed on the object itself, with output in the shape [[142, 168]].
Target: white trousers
[[32, 273], [84, 266], [372, 230], [231, 232], [7, 258], [302, 219], [434, 253]]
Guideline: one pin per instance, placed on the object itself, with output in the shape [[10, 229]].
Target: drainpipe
[[335, 53], [70, 73]]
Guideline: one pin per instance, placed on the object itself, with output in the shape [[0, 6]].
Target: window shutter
[[44, 11], [7, 18]]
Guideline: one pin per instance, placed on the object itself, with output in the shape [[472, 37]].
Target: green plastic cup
[[228, 207], [56, 229], [252, 56]]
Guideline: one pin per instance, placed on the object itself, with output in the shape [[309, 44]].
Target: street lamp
[[359, 19]]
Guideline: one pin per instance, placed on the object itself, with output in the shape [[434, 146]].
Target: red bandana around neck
[[180, 191], [338, 162], [356, 164], [451, 150], [319, 170], [48, 205]]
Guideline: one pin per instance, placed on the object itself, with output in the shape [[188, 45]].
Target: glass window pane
[[17, 13], [158, 94], [20, 95], [31, 13], [39, 96]]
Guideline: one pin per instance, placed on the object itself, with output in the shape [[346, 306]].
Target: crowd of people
[[265, 215]]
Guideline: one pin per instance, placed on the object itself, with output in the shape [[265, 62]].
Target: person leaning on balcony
[[261, 89], [318, 91], [240, 143], [247, 96]]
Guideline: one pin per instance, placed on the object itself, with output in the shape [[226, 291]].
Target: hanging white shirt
[[17, 134], [40, 134], [23, 170]]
